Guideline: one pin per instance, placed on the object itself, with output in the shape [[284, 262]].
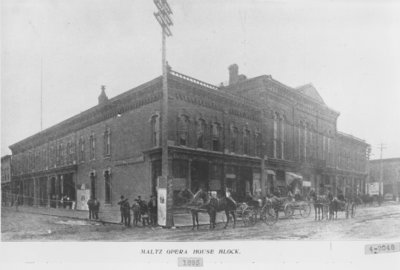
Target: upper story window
[[258, 144], [183, 130], [60, 154], [81, 149], [246, 142], [234, 139], [275, 134], [92, 142], [282, 136], [107, 142], [155, 130], [200, 131], [303, 140], [215, 133], [68, 156]]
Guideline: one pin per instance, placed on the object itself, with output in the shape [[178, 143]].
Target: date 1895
[[382, 248], [190, 262]]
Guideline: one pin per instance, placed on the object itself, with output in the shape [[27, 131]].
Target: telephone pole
[[165, 21]]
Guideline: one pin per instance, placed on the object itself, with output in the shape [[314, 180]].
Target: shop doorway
[[42, 191], [92, 185], [245, 183], [69, 189], [53, 192], [199, 176]]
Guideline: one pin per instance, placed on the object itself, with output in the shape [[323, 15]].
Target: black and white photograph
[[201, 133]]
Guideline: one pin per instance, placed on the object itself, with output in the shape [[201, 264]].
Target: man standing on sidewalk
[[121, 208], [152, 206], [126, 212], [96, 208], [90, 204]]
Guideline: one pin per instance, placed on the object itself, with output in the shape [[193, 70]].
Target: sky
[[349, 50]]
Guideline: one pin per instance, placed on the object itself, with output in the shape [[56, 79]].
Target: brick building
[[390, 169], [253, 135], [5, 179]]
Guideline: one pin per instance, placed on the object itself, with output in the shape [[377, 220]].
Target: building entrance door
[[199, 175], [245, 183], [69, 186], [53, 201], [93, 186]]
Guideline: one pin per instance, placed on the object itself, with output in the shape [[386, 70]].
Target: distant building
[[253, 136], [5, 178], [390, 174]]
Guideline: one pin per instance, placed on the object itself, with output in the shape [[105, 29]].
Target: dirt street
[[369, 223]]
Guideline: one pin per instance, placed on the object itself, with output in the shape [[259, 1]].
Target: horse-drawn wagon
[[303, 207], [253, 211]]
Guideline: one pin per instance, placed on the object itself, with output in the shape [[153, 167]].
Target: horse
[[212, 206], [320, 202], [337, 205]]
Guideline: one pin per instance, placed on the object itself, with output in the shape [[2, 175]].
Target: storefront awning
[[290, 177]]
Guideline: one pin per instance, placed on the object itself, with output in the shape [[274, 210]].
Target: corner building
[[253, 135]]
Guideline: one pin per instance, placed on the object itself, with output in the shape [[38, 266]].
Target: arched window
[[246, 141], [82, 149], [155, 130], [60, 154], [107, 142], [234, 139], [200, 131], [68, 156], [303, 140], [92, 142], [329, 148], [183, 130], [215, 133], [282, 136], [275, 135], [258, 144]]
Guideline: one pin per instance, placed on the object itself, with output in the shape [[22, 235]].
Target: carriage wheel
[[305, 210], [246, 216], [289, 210], [268, 216]]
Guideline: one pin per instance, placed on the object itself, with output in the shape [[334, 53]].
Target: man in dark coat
[[152, 206], [121, 202], [126, 212], [96, 208], [90, 204]]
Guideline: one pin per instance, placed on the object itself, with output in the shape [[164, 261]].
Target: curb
[[71, 217]]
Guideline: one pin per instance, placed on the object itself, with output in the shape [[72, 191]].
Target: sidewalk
[[113, 216]]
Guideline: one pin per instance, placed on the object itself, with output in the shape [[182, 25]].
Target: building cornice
[[133, 99]]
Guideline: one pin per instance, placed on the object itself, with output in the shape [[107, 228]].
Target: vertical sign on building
[[162, 201]]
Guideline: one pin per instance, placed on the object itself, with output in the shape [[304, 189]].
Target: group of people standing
[[145, 212]]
